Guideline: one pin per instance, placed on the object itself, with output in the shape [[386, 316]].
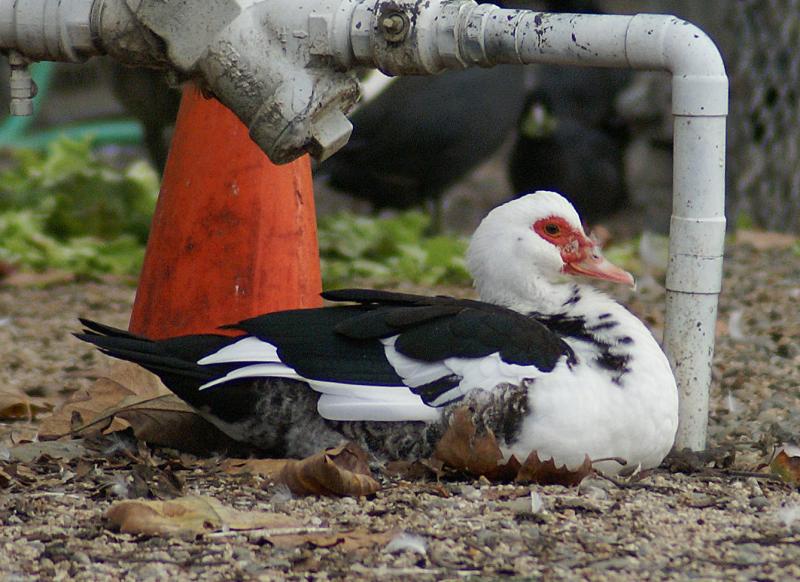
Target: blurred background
[[428, 155]]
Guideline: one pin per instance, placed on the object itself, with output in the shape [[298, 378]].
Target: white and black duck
[[544, 360]]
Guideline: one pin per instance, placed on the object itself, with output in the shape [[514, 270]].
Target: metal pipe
[[48, 30], [699, 107], [21, 85]]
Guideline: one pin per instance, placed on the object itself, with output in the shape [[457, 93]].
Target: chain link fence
[[764, 157], [760, 42]]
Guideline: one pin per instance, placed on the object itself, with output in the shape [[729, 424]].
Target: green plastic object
[[15, 131]]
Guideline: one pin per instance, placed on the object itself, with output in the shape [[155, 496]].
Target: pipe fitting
[[48, 30], [22, 87], [263, 60]]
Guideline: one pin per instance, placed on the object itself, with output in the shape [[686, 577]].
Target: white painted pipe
[[453, 35]]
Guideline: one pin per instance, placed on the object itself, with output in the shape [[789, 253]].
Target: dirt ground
[[720, 517]]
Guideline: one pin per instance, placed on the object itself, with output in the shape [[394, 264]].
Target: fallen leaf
[[348, 541], [765, 240], [18, 432], [16, 405], [85, 408], [533, 470], [168, 421], [66, 450], [189, 516], [462, 448], [134, 397], [341, 471], [786, 464]]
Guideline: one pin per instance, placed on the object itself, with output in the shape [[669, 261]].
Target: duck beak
[[591, 263]]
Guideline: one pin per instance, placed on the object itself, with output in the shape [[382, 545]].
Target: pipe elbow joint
[[699, 82]]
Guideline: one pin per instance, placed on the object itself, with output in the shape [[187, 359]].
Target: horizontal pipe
[[48, 30]]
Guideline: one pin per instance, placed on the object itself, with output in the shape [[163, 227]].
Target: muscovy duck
[[544, 360]]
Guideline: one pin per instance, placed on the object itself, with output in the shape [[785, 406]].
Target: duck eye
[[552, 229]]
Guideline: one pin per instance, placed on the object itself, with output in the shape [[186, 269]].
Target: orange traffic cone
[[233, 234]]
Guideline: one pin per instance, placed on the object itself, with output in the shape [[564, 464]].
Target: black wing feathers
[[307, 341], [342, 343], [435, 328]]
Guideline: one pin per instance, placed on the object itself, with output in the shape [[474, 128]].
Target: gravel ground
[[720, 521]]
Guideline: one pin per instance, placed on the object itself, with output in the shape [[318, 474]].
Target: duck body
[[546, 363]]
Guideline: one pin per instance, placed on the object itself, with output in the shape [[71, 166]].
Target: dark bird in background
[[145, 95], [571, 139], [421, 134]]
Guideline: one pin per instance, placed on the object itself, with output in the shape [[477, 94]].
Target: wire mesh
[[764, 157]]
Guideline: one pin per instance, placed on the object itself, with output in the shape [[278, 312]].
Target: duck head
[[525, 253]]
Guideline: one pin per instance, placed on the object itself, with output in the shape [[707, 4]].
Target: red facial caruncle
[[579, 253], [572, 243]]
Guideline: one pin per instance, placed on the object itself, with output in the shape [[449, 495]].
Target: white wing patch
[[249, 349], [413, 372], [335, 407], [484, 373], [339, 401]]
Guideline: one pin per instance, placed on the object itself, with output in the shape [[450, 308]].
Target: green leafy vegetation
[[66, 208], [385, 251]]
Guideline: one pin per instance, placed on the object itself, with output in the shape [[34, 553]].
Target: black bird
[[570, 137], [421, 134], [146, 95]]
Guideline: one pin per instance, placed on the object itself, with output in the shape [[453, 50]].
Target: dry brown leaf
[[134, 397], [786, 465], [189, 516], [341, 471], [765, 240], [463, 449], [269, 468], [85, 407], [168, 421], [124, 380], [533, 470], [348, 541], [18, 406]]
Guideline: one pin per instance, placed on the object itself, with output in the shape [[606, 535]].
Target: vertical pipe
[[694, 274]]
